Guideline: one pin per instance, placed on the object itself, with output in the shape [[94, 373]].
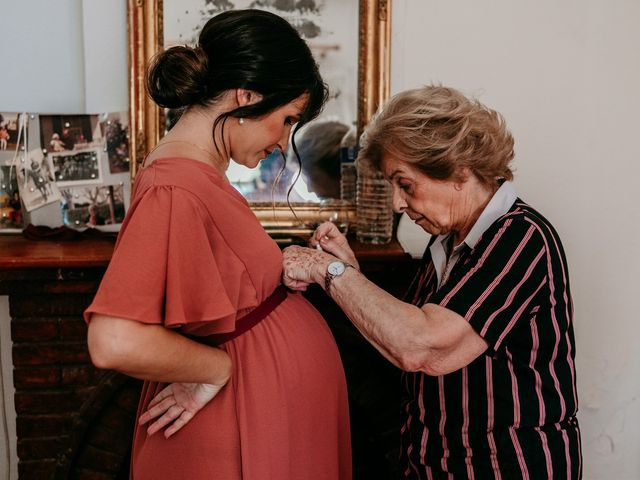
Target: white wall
[[104, 34], [41, 52], [66, 56], [566, 75]]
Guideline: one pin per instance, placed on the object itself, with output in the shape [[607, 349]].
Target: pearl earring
[[241, 121]]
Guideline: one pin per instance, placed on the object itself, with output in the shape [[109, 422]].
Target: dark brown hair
[[251, 49]]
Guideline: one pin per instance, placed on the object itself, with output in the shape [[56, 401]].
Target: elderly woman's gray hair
[[440, 131]]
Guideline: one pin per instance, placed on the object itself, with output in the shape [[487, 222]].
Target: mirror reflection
[[330, 28]]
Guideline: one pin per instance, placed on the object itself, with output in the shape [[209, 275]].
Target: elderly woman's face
[[435, 205]]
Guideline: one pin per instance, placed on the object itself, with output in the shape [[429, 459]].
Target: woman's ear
[[246, 97], [461, 177]]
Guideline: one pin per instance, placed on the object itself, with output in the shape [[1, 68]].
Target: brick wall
[[73, 421]]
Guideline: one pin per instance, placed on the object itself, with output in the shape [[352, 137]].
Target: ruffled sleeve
[[164, 269]]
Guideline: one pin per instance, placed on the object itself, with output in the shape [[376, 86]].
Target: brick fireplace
[[74, 421]]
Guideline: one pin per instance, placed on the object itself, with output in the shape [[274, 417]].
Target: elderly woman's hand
[[303, 266], [331, 240]]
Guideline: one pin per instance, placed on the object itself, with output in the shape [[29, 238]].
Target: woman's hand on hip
[[176, 405], [331, 240]]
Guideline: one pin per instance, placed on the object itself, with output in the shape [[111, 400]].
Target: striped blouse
[[510, 413]]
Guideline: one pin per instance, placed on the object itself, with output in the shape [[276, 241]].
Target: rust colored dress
[[192, 256]]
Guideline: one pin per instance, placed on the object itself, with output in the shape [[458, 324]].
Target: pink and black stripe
[[510, 414]]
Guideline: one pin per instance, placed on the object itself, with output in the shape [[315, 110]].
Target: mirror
[[350, 41]]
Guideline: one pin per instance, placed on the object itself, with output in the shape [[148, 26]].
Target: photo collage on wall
[[77, 166]]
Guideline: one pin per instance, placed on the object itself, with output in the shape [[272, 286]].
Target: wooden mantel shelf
[[18, 252]]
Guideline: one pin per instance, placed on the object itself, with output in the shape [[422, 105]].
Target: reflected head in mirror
[[319, 148], [248, 65]]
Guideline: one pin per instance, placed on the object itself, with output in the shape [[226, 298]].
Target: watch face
[[336, 268]]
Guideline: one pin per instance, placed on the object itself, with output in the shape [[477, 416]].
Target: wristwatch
[[334, 269]]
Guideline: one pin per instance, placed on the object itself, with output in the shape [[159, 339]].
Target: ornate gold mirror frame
[[145, 20]]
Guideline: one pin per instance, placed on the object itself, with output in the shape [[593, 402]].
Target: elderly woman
[[485, 338]]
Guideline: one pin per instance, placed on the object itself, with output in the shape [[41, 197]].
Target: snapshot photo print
[[35, 181], [92, 206], [115, 131], [75, 167], [10, 205]]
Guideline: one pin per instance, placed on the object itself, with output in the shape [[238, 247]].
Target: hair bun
[[177, 77]]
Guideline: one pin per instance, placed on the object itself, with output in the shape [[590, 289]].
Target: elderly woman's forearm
[[398, 330], [431, 339]]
